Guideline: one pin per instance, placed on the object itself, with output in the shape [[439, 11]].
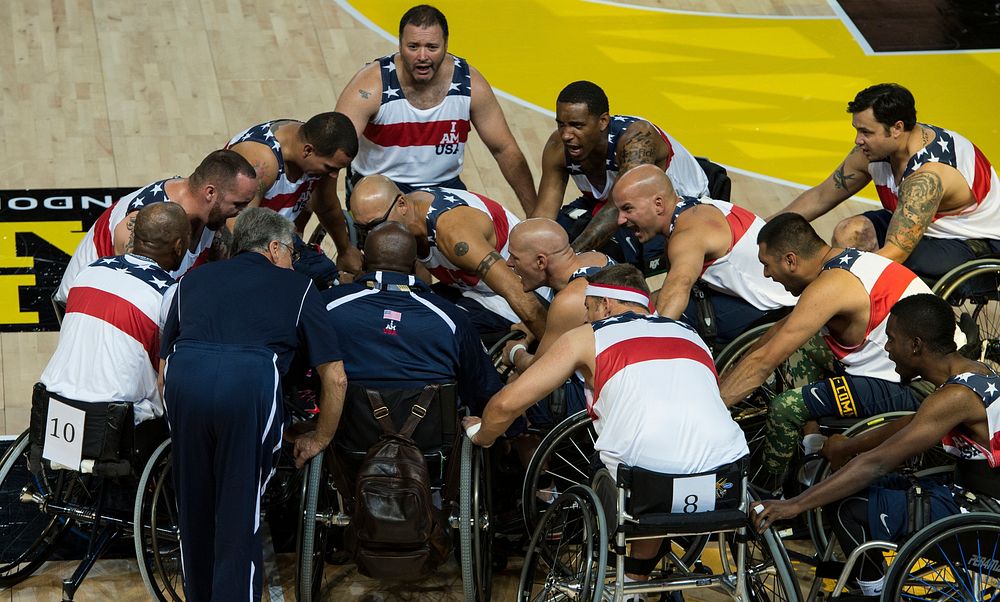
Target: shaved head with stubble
[[371, 197], [162, 233], [645, 199], [392, 248]]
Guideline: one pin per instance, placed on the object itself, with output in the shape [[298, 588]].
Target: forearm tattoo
[[598, 231], [221, 244], [919, 198], [639, 149], [487, 263]]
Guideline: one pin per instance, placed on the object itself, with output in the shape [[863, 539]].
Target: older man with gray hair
[[230, 335]]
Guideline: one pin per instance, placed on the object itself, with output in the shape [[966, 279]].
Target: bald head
[[645, 199], [162, 233], [390, 247], [644, 180], [371, 197], [539, 235]]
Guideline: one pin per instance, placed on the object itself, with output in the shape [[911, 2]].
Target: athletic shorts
[[851, 396]]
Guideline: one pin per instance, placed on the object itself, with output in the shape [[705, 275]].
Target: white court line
[[344, 4], [698, 13]]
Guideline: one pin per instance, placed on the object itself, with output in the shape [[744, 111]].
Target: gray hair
[[256, 227]]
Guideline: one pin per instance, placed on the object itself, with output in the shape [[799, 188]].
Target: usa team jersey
[[109, 342], [655, 400], [419, 147], [284, 196], [981, 220], [886, 283], [688, 177], [957, 443], [99, 240], [738, 272], [446, 199]]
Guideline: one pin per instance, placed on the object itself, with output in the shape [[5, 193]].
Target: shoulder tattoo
[[841, 179], [487, 263], [461, 249], [130, 224], [364, 94], [919, 198], [638, 150]]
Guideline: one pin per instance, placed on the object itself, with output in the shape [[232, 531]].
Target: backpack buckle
[[381, 412], [418, 411]]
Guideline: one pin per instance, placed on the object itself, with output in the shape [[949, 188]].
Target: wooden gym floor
[[116, 93]]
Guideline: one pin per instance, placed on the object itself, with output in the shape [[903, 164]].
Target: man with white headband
[[652, 389]]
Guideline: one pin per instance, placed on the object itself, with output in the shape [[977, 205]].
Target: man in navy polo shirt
[[396, 333], [230, 335]]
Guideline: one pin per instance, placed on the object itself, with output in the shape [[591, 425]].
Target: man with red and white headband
[[651, 385]]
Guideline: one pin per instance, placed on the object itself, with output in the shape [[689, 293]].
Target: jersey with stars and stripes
[[99, 240], [446, 199], [109, 342], [284, 196], [688, 177], [886, 283], [979, 220], [738, 272], [419, 147], [959, 443], [655, 399]]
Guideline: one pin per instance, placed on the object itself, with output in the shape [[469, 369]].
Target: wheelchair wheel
[[312, 532], [751, 413], [973, 290], [817, 520], [561, 460], [27, 535], [496, 353], [475, 522], [156, 534], [956, 558], [769, 574], [567, 555]]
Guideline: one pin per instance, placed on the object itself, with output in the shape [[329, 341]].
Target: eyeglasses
[[365, 229], [291, 249]]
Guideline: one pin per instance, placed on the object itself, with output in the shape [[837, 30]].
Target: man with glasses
[[461, 240], [230, 335]]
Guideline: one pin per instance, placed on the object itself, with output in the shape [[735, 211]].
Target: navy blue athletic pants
[[224, 411]]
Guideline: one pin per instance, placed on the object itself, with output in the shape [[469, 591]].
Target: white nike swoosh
[[815, 393], [882, 518]]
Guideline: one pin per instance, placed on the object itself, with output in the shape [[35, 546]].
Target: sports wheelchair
[[973, 289], [568, 554], [95, 501], [460, 473]]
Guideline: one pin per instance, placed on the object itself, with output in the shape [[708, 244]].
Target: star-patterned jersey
[[99, 240], [284, 196], [886, 283], [688, 177], [980, 220], [419, 147], [109, 342], [590, 270], [959, 443], [738, 272], [446, 199], [655, 400]]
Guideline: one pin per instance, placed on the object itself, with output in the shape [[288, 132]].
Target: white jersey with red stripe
[[980, 220], [739, 272], [886, 283], [687, 176], [284, 196], [655, 400], [109, 343], [446, 199], [99, 240], [419, 147]]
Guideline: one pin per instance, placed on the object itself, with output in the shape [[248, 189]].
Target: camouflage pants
[[787, 412]]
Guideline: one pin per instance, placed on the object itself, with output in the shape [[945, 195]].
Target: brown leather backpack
[[396, 532]]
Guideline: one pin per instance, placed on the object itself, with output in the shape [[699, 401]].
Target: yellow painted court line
[[766, 96]]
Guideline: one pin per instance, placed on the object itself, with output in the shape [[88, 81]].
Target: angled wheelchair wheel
[[769, 574], [973, 290], [496, 353], [561, 460], [27, 535], [475, 527], [956, 558], [751, 413], [156, 534], [567, 555], [312, 535]]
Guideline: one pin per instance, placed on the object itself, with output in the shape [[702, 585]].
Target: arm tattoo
[[919, 197], [599, 230], [637, 150], [131, 233], [487, 263], [221, 244], [461, 249], [840, 179], [364, 94]]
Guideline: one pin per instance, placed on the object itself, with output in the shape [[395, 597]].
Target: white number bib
[[693, 494], [63, 434]]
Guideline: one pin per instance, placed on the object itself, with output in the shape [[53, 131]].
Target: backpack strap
[[381, 412], [419, 410]]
